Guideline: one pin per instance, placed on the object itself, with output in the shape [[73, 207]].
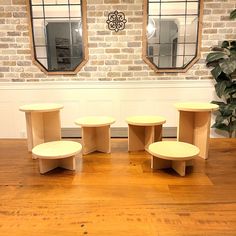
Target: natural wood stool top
[[95, 121], [57, 149], [145, 120], [173, 150], [41, 107], [196, 106]]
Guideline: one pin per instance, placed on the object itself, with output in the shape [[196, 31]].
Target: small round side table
[[57, 154], [144, 130], [43, 123], [194, 124], [173, 154], [96, 133]]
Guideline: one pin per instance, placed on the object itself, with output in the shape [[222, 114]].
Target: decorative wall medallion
[[116, 21]]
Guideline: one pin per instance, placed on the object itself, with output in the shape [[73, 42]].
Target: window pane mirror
[[58, 33], [171, 34]]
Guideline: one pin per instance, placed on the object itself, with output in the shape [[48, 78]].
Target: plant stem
[[231, 118]]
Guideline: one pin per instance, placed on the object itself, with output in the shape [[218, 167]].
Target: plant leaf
[[225, 113], [225, 44], [215, 56], [219, 103], [233, 101], [220, 87], [228, 66], [233, 44], [221, 126], [227, 110], [233, 53], [231, 106], [220, 118], [217, 49], [216, 71], [231, 90], [233, 14], [223, 76]]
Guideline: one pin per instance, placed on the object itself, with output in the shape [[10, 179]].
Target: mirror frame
[[84, 38], [145, 42]]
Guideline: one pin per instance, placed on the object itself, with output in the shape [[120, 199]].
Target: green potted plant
[[223, 61]]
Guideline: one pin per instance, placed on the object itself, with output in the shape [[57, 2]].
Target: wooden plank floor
[[118, 194]]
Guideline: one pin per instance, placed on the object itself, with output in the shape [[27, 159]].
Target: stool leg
[[158, 163], [136, 136], [68, 163], [186, 127], [103, 140], [189, 162], [202, 132], [158, 133], [35, 131], [46, 165], [149, 136], [52, 126], [194, 128], [89, 140], [179, 167]]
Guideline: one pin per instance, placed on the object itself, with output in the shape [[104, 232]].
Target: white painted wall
[[117, 99]]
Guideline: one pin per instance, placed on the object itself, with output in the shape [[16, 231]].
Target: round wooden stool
[[56, 154], [194, 124], [144, 130], [42, 122], [166, 154], [96, 133]]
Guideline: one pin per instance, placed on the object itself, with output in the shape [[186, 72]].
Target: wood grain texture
[[194, 128], [118, 194]]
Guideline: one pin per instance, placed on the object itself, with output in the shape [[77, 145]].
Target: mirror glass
[[57, 33], [172, 32]]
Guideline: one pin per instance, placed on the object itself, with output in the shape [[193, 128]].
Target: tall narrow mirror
[[58, 33], [171, 34]]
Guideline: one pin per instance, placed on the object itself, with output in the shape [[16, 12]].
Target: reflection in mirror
[[58, 35], [172, 33]]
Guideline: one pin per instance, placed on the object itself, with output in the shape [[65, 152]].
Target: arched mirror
[[171, 34], [58, 33]]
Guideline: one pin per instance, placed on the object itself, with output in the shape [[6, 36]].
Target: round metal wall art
[[116, 21]]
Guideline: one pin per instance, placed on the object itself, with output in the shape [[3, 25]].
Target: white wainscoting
[[117, 99]]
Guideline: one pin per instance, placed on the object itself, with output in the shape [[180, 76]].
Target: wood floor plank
[[118, 194]]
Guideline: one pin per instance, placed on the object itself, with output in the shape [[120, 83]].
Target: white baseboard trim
[[116, 132]]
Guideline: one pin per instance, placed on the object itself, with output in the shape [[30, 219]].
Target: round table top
[[57, 149], [196, 106], [41, 107], [145, 120], [173, 150], [95, 121]]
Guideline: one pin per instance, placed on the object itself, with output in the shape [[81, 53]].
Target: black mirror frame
[[145, 42], [84, 37]]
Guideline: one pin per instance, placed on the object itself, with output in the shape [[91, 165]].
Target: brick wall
[[112, 56]]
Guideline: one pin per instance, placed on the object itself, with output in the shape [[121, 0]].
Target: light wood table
[[96, 133], [166, 154], [42, 122], [144, 130], [194, 124], [57, 154]]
